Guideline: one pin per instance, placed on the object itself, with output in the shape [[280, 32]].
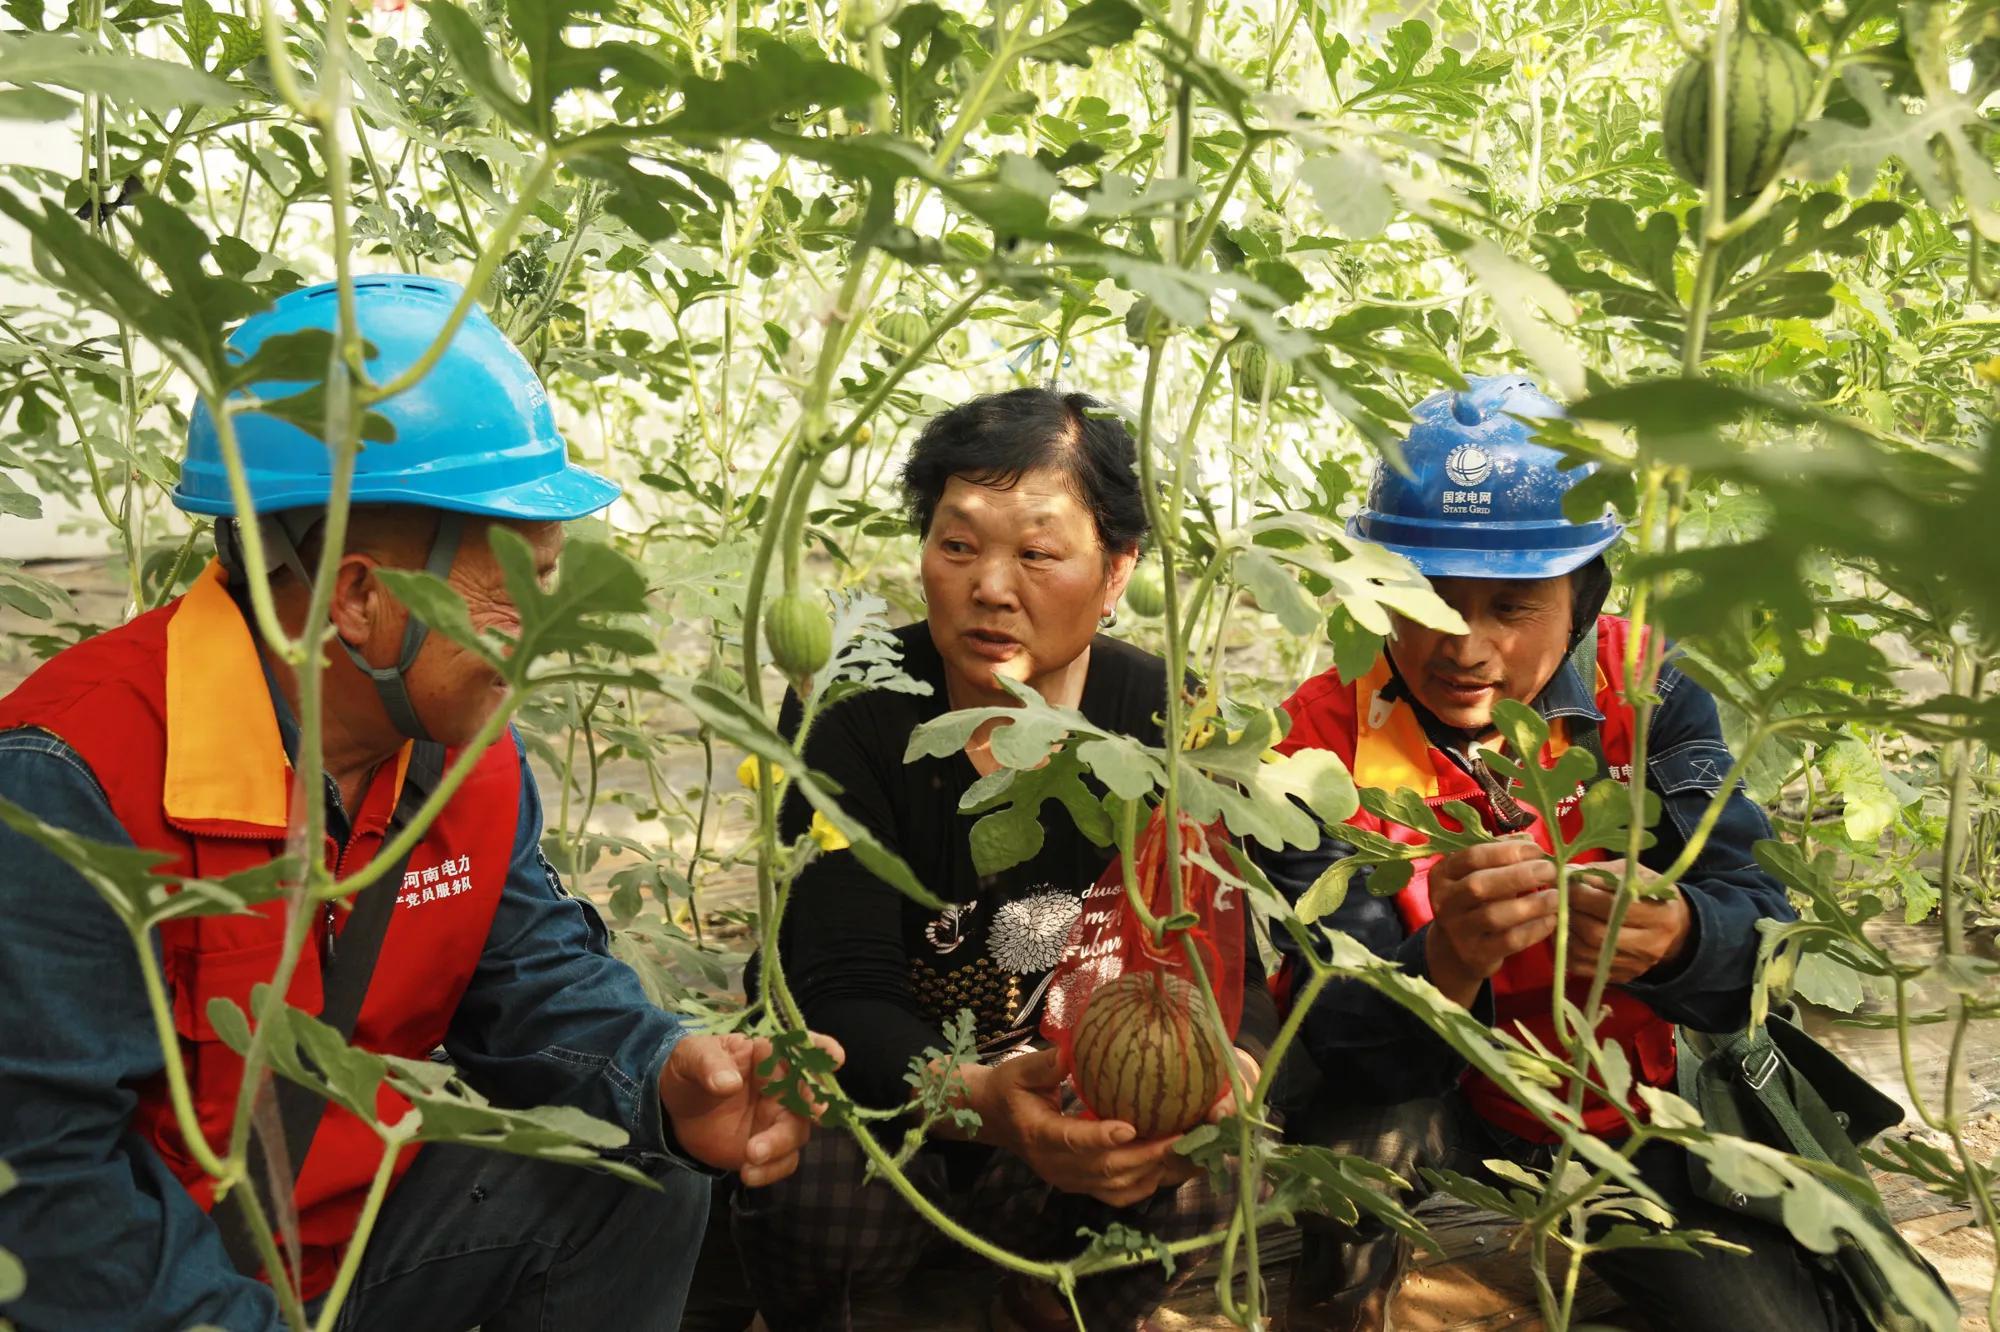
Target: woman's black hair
[[996, 439]]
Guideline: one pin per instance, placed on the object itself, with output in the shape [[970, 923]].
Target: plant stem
[[179, 566], [1213, 217], [364, 1225], [586, 202], [1128, 819], [1248, 1171], [483, 269], [1156, 514], [1917, 1102], [1545, 1294], [590, 792], [700, 825], [400, 846], [279, 61], [1968, 679], [391, 223], [178, 1094]]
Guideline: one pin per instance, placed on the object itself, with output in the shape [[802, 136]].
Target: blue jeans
[[474, 1238]]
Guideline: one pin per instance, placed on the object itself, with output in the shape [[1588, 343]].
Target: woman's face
[[1016, 581]]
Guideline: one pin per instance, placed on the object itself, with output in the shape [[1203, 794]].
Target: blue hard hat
[[1481, 499], [474, 435]]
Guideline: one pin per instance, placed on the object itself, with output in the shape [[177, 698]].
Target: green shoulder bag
[[1778, 1086]]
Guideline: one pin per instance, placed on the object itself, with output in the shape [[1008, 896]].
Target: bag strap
[[1759, 1067], [346, 970]]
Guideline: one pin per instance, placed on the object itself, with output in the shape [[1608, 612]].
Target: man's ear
[[359, 599]]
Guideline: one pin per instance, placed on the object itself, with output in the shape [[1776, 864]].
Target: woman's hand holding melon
[[1020, 1110]]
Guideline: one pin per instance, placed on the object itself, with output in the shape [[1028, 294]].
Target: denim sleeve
[[1727, 891], [551, 1017], [109, 1238], [1362, 1040]]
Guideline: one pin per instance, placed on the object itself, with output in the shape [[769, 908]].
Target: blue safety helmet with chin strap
[[1481, 499], [474, 436]]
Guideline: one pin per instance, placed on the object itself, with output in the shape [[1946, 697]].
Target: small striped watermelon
[[1145, 1052], [799, 635], [899, 331], [1146, 593], [1770, 85], [1259, 377]]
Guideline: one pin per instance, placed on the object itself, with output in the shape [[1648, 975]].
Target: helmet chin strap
[[391, 682], [284, 531]]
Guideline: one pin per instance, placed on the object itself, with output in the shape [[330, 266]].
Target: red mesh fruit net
[[1109, 940]]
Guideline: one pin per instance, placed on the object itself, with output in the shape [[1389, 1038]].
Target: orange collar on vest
[[225, 760], [1390, 749]]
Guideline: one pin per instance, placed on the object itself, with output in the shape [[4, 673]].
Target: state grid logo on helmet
[[1468, 465], [1464, 468]]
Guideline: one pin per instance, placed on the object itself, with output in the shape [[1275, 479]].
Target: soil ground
[[1481, 1280]]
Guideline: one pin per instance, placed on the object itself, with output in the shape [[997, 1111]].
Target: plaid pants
[[812, 1243]]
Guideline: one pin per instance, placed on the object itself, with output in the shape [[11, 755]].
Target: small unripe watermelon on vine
[[723, 676], [1143, 325], [1770, 86], [901, 331], [1146, 1052], [1146, 593], [799, 634], [1255, 367]]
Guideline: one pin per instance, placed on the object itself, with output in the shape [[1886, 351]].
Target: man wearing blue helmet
[[175, 733], [1480, 513]]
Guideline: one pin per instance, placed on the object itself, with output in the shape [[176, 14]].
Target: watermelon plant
[[748, 246]]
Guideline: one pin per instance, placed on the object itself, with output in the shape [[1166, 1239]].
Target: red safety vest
[[173, 716], [1384, 745]]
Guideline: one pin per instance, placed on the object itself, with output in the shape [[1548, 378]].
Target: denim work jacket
[[109, 1238], [1379, 1052]]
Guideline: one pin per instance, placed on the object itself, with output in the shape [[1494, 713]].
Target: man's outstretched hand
[[715, 1101]]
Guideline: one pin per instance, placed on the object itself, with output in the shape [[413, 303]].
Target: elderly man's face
[[453, 691], [1016, 580], [1517, 633]]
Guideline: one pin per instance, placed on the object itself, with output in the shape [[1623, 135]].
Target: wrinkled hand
[[1654, 932], [1020, 1107], [1488, 903], [714, 1098]]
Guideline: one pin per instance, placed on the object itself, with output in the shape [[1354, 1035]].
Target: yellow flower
[[746, 773], [829, 837], [1989, 369]]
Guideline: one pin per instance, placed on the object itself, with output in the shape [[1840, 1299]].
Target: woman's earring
[[1109, 619]]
